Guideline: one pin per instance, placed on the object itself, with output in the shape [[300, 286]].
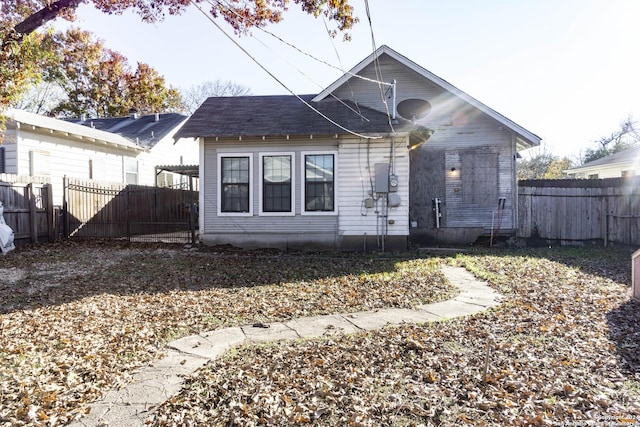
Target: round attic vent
[[414, 109]]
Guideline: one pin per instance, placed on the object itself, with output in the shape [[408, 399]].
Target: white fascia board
[[81, 132]]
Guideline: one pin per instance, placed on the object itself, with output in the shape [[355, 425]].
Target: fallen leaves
[[558, 355], [77, 319]]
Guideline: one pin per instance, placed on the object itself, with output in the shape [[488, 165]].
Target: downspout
[[514, 172]]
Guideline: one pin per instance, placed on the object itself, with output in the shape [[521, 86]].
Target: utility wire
[[353, 96], [376, 66], [328, 64], [278, 80], [341, 101], [311, 80]]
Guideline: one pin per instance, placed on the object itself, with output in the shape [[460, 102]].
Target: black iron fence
[[132, 212]]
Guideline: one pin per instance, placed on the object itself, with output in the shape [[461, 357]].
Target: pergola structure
[[191, 171]]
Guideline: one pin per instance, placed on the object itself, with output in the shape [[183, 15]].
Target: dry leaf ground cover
[[563, 350], [77, 319]]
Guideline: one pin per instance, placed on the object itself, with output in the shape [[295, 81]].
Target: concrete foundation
[[445, 236], [307, 242]]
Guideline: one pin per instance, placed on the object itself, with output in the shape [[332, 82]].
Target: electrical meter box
[[381, 181]]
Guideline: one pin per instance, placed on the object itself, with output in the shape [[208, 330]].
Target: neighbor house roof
[[144, 130], [630, 156], [63, 129], [281, 115], [525, 138]]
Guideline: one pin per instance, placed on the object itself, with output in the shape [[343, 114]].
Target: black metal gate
[[132, 212]]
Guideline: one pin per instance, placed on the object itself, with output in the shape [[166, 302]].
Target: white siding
[[11, 152], [356, 171], [212, 223], [609, 171], [166, 152], [354, 161], [445, 107], [66, 158], [458, 128]]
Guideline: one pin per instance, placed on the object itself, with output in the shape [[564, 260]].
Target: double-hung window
[[235, 183], [276, 191], [130, 170], [319, 182]]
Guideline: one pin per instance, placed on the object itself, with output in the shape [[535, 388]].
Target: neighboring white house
[[37, 145], [155, 133], [622, 164], [338, 169]]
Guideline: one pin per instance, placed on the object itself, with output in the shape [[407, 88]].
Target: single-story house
[[361, 165], [625, 163], [154, 132], [36, 145]]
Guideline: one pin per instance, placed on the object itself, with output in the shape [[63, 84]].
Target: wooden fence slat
[[578, 211]]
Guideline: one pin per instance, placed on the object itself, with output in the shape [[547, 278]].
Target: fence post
[[65, 207], [192, 212], [33, 213], [605, 221], [51, 222], [128, 192]]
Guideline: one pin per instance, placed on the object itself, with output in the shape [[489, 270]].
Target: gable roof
[[281, 115], [525, 138], [144, 130], [630, 156], [66, 130]]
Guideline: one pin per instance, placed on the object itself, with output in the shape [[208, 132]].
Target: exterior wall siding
[[240, 227], [305, 230], [357, 162], [11, 152], [166, 152], [66, 158], [461, 131]]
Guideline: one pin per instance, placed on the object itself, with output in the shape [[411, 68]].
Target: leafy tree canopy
[[542, 164], [83, 77], [23, 52]]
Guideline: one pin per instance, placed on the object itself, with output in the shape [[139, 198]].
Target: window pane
[[235, 184], [235, 170], [276, 181], [319, 185], [319, 167]]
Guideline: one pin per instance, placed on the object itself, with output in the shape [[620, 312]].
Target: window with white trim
[[235, 179], [130, 170], [276, 191], [39, 163], [319, 182], [96, 168]]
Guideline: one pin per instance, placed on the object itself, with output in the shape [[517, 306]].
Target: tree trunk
[[41, 17]]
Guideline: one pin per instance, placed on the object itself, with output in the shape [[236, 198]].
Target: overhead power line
[[280, 39], [377, 68], [330, 120]]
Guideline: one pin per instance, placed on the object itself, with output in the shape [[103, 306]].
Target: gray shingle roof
[[630, 155], [143, 130], [279, 115]]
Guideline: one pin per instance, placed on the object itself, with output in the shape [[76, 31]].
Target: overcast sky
[[566, 70]]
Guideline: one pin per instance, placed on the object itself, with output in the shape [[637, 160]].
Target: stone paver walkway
[[151, 386]]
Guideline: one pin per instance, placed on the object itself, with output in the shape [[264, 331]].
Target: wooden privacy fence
[[28, 208], [573, 212], [132, 212]]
